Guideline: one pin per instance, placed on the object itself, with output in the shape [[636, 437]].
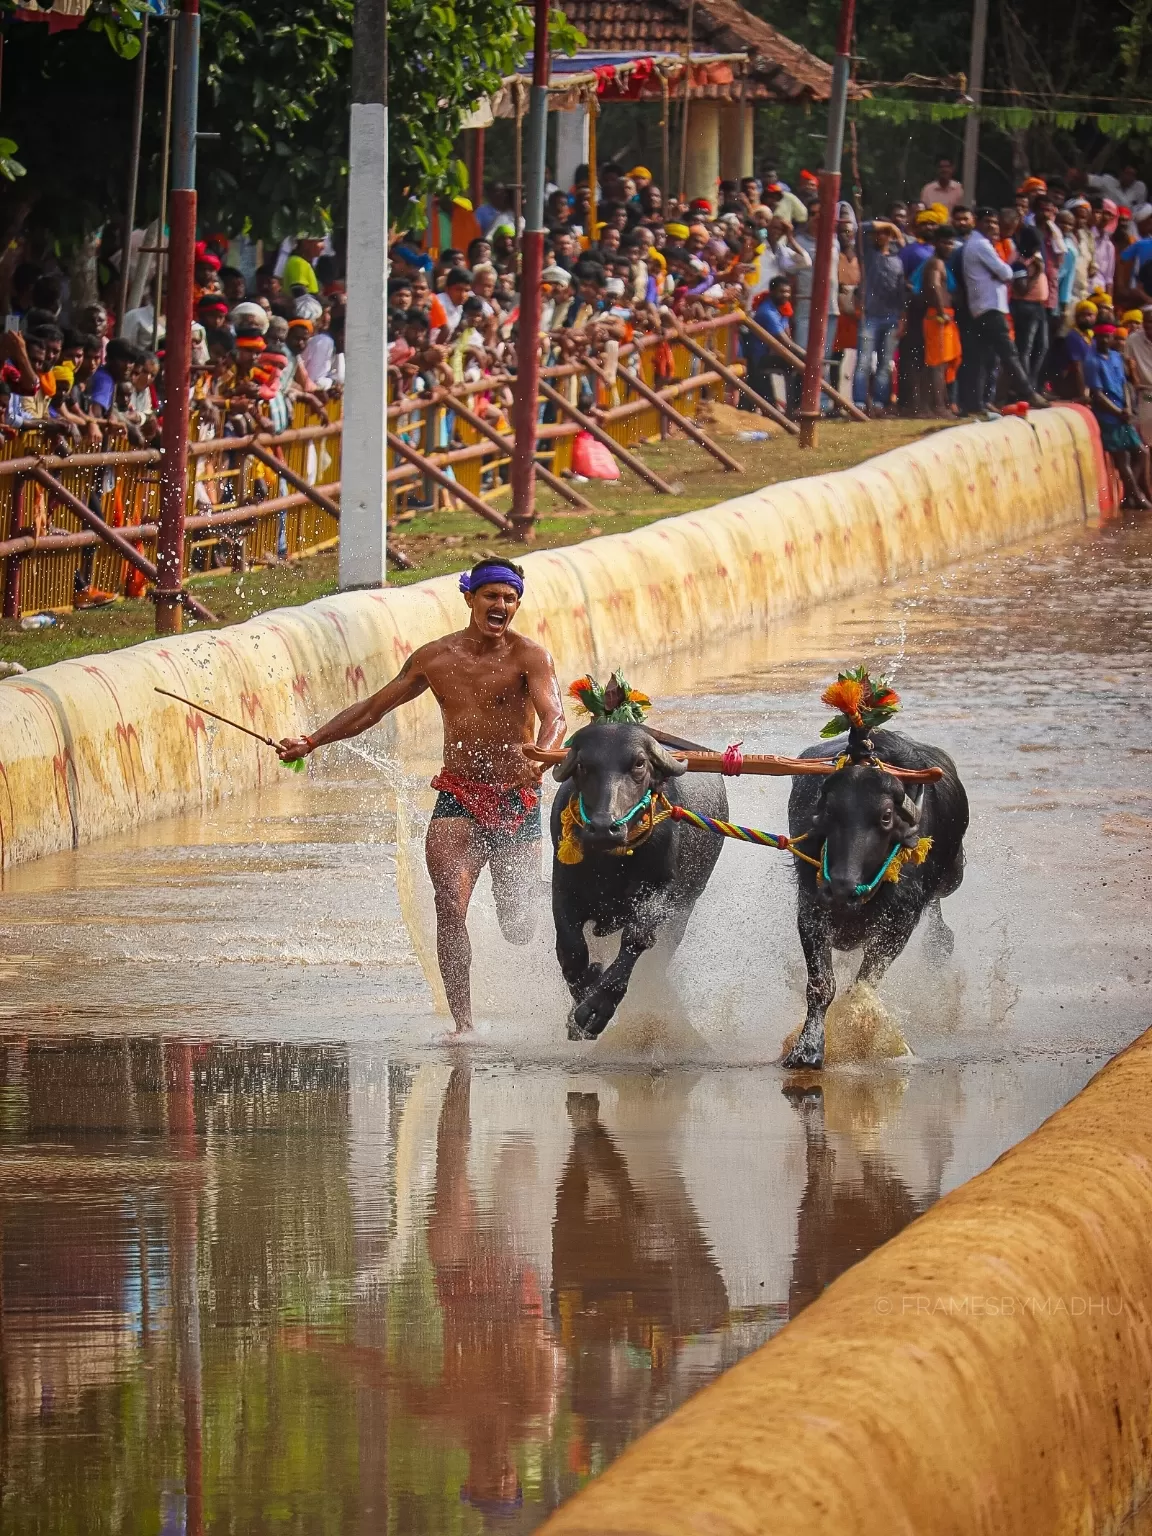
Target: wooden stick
[[771, 411], [224, 720], [588, 425], [426, 467], [796, 360], [505, 444], [259, 450], [686, 425], [759, 765]]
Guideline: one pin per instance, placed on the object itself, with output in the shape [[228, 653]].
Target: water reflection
[[250, 1286]]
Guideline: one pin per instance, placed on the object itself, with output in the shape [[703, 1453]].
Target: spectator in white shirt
[[782, 254], [1124, 189], [986, 279], [945, 189]]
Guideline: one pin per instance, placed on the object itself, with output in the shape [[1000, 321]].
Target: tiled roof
[[783, 69]]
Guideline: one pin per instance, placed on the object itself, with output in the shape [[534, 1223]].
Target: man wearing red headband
[[490, 684]]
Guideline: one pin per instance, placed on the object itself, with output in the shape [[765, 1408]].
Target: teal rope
[[862, 890], [621, 821]]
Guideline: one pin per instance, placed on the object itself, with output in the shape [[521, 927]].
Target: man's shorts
[[1119, 436], [495, 840]]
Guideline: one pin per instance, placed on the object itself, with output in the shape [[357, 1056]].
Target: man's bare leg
[[516, 887], [455, 856]]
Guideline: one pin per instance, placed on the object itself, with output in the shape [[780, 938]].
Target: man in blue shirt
[[774, 314], [1107, 395], [986, 279], [881, 303]]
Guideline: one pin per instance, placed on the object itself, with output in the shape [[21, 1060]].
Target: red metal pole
[[826, 229], [531, 267], [178, 352]]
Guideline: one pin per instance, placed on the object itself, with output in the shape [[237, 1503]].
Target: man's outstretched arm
[[544, 691], [409, 683]]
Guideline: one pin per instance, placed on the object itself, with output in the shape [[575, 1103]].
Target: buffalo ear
[[907, 817], [567, 768], [664, 765]]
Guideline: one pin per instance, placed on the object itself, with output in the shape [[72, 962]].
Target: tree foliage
[[1087, 81], [275, 87], [443, 58]]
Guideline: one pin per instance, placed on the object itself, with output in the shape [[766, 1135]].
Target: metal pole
[[162, 234], [364, 469], [975, 90], [178, 350], [133, 176], [532, 265], [683, 194], [826, 230]]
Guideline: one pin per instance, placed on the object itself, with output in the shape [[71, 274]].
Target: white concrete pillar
[[736, 158], [702, 168], [364, 454], [571, 145]]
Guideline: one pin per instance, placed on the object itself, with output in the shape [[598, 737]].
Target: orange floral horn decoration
[[862, 704]]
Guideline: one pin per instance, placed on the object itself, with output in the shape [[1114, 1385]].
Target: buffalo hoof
[[588, 982], [806, 1054], [589, 1019]]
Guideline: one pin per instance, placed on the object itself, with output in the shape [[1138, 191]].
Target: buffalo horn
[[565, 769], [664, 763]]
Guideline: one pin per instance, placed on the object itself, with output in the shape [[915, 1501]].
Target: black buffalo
[[854, 819], [644, 893]]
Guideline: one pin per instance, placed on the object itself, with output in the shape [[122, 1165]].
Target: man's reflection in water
[[853, 1199], [501, 1367], [631, 1272]]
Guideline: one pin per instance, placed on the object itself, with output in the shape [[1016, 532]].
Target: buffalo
[[858, 823], [620, 861]]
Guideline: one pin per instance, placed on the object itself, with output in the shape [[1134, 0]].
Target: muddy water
[[273, 1258]]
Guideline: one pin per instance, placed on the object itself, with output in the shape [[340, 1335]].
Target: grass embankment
[[451, 541]]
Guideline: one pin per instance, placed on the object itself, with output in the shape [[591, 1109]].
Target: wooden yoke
[[757, 764]]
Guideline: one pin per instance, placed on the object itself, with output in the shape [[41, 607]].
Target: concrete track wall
[[986, 1373], [87, 747]]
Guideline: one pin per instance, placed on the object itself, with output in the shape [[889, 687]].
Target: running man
[[490, 684]]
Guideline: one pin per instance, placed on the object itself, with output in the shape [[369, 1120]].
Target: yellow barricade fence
[[242, 508]]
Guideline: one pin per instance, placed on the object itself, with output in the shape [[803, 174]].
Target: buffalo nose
[[841, 889], [605, 830]]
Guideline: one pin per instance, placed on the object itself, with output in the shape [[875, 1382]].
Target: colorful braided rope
[[780, 841]]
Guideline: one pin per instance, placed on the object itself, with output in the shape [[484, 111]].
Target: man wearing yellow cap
[[1070, 351]]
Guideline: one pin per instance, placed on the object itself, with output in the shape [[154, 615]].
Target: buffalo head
[[612, 768], [862, 815]]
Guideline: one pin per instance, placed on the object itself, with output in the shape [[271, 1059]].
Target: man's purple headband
[[491, 571]]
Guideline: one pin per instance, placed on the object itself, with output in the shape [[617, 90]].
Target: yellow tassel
[[915, 855], [569, 850]]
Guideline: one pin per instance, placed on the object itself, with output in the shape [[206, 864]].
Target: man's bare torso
[[486, 704]]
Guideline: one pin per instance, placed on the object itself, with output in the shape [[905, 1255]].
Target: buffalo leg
[[884, 946], [572, 953], [816, 942], [939, 937], [591, 1017]]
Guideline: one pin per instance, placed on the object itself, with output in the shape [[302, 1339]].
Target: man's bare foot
[[459, 1034]]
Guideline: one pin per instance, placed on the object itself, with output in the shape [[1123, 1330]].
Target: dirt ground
[[451, 541]]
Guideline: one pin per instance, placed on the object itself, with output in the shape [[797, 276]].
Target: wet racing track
[[275, 1259]]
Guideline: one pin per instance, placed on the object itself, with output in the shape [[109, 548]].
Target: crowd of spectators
[[937, 308], [84, 379]]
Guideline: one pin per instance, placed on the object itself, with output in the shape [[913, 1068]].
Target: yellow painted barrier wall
[[88, 747], [986, 1373]]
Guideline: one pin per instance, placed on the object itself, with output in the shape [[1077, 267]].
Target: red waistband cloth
[[496, 807]]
